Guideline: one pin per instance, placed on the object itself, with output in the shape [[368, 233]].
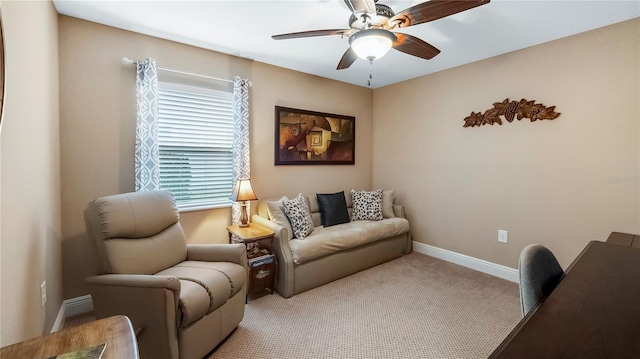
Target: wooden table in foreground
[[116, 332], [594, 312], [624, 239]]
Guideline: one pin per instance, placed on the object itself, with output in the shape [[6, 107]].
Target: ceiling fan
[[372, 26]]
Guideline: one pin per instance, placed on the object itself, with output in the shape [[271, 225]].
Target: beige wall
[[560, 183], [30, 185], [97, 115], [556, 182]]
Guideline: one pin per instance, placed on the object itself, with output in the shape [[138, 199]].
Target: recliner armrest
[[234, 253], [151, 303], [135, 280]]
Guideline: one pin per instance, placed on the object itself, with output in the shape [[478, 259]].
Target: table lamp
[[242, 193]]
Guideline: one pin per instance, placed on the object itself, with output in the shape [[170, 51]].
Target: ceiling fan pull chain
[[370, 73]]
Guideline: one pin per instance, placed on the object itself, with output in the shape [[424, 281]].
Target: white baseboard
[[59, 323], [78, 305], [71, 307], [496, 270]]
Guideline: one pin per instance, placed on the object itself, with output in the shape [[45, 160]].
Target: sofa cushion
[[327, 240], [275, 210], [367, 205], [314, 208], [297, 211], [388, 197], [333, 208]]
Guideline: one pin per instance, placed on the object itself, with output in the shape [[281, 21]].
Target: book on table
[[85, 353], [258, 261]]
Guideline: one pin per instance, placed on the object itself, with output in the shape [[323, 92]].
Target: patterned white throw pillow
[[298, 213], [367, 206]]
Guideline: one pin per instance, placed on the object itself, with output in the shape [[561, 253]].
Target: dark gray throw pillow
[[333, 208]]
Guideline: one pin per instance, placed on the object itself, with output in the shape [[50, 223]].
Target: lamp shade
[[372, 44], [243, 191]]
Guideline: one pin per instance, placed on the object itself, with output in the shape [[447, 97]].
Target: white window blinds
[[195, 135]]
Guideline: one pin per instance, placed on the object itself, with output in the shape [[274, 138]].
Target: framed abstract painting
[[313, 138]]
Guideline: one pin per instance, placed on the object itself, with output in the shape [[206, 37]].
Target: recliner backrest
[[136, 233]]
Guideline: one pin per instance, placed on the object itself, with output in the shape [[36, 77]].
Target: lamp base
[[244, 218]]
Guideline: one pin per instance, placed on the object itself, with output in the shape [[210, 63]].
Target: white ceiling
[[244, 28]]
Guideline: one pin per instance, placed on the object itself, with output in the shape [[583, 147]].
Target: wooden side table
[[261, 261], [116, 332]]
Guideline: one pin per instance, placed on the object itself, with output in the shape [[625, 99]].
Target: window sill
[[204, 207]]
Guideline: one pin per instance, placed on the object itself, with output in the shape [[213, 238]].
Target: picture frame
[[305, 137]]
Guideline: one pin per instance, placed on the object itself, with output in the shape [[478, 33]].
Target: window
[[195, 135]]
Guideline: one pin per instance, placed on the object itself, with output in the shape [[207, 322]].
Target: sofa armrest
[[234, 253], [150, 302], [278, 230], [285, 277], [398, 211]]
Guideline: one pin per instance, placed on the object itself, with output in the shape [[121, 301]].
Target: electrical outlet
[[43, 293], [502, 236]]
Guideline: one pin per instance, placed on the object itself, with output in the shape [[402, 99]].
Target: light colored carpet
[[412, 307]]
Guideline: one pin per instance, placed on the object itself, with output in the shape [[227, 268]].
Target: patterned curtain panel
[[147, 162], [240, 138]]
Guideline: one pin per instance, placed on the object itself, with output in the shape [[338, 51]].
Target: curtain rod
[[128, 61]]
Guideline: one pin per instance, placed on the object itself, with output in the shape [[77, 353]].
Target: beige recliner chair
[[182, 299]]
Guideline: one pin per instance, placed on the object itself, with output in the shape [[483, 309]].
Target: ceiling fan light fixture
[[372, 44]]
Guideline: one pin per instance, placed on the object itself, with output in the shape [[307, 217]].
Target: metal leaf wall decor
[[510, 110]]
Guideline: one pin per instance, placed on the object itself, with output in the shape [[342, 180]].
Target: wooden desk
[[594, 312], [116, 332], [624, 239]]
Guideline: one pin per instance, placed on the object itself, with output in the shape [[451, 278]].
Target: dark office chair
[[540, 273]]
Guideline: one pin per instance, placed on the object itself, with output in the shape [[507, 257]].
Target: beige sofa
[[182, 299], [330, 253]]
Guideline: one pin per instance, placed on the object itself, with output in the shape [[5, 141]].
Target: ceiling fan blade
[[413, 46], [360, 6], [347, 59], [432, 10], [312, 33]]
